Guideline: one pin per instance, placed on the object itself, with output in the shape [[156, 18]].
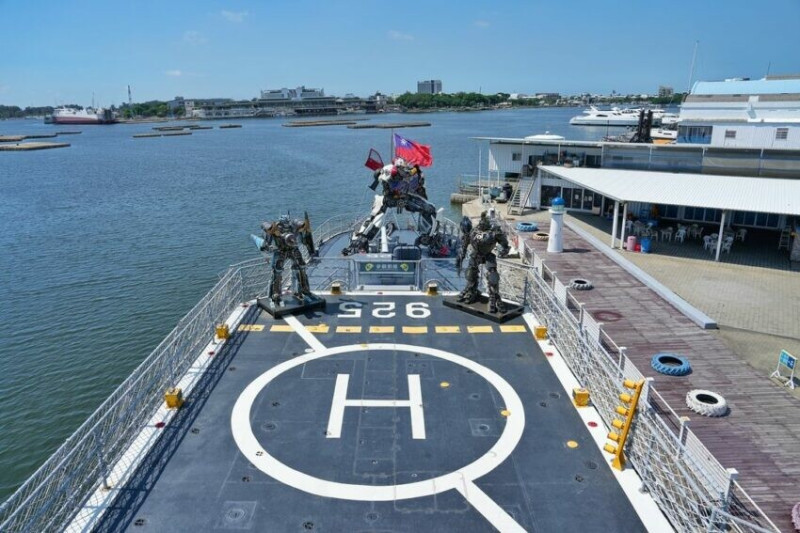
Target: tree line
[[12, 111], [432, 101]]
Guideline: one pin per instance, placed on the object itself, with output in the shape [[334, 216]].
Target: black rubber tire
[[706, 403], [579, 284], [541, 236], [670, 364], [527, 226]]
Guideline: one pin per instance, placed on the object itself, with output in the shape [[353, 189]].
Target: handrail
[[683, 477]]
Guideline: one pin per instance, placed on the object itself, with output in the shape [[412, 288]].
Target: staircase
[[521, 195]]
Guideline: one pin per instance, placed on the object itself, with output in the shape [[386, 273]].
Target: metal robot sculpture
[[403, 187], [478, 244], [283, 238]]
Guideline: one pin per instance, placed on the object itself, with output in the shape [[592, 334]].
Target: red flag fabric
[[412, 152], [374, 161]]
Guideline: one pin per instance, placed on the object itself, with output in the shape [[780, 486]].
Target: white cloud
[[235, 16], [194, 37], [399, 36], [174, 73], [482, 23]]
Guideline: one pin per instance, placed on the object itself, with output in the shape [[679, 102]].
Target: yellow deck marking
[[572, 444], [251, 327], [415, 329], [348, 329], [381, 329], [448, 329], [281, 328], [444, 384], [479, 329], [322, 328], [505, 412], [513, 329]]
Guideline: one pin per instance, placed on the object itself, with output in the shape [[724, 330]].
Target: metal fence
[[692, 489]]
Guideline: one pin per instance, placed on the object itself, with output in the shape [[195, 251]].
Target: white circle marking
[[250, 447]]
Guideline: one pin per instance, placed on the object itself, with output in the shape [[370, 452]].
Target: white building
[[743, 113]]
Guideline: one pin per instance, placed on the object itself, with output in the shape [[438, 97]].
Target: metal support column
[[614, 224], [719, 237], [624, 222]]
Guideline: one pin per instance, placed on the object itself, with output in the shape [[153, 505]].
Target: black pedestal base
[[291, 305], [480, 308]]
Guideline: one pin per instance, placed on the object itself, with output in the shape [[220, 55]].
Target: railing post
[[733, 474], [622, 356]]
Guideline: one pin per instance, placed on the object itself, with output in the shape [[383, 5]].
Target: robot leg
[[276, 287], [470, 292], [493, 284], [302, 281]]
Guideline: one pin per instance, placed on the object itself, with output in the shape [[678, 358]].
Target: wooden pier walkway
[[760, 436]]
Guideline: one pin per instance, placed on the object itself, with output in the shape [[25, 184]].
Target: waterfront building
[[429, 87], [533, 164], [743, 113], [665, 91]]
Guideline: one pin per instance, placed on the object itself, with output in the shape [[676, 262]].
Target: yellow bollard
[[540, 332], [222, 331], [580, 396], [174, 398]]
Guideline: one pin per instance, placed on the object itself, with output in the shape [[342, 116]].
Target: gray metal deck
[[198, 478]]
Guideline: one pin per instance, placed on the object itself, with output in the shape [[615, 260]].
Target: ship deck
[[382, 412]]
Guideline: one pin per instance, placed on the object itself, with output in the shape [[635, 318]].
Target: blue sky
[[57, 52]]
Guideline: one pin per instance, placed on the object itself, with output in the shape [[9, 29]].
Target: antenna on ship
[[691, 70]]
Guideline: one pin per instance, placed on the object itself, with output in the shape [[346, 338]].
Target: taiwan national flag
[[414, 153]]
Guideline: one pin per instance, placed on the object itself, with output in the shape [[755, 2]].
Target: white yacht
[[612, 117]]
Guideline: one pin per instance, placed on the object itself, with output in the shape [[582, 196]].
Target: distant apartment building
[[429, 87], [300, 93], [665, 91]]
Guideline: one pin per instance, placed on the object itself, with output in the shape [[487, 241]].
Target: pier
[[312, 123], [27, 147], [389, 125]]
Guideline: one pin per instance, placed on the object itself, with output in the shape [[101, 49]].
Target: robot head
[[484, 223], [284, 220], [466, 225]]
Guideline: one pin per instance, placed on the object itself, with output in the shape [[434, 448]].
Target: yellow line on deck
[[348, 329], [513, 329], [281, 328], [415, 329], [251, 327], [381, 329], [322, 328], [480, 329], [448, 329]]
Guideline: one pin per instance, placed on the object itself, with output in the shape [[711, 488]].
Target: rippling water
[[107, 243]]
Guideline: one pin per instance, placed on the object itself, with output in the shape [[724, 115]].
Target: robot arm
[[502, 244], [307, 237]]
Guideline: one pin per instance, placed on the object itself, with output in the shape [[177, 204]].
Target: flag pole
[[391, 145]]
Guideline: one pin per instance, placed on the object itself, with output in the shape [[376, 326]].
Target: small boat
[[546, 136]]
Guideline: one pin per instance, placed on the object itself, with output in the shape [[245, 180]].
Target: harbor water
[[107, 243]]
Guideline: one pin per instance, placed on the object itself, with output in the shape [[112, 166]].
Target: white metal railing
[[690, 486]]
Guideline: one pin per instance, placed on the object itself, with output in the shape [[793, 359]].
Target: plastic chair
[[726, 245], [708, 243], [680, 235], [741, 233]]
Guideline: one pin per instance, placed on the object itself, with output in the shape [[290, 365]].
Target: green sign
[[386, 267]]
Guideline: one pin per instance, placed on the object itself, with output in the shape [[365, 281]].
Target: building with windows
[[429, 87], [665, 91], [743, 113]]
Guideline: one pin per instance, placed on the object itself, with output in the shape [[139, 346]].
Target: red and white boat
[[68, 115]]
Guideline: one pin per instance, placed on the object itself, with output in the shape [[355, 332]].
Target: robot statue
[[478, 244], [403, 187], [283, 238]]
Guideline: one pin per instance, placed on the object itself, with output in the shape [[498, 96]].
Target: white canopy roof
[[734, 193]]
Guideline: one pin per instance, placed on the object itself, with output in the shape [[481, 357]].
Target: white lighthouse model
[[555, 243]]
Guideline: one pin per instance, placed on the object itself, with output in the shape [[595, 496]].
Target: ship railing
[[693, 490], [51, 497]]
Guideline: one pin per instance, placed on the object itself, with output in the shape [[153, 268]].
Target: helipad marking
[[281, 328], [321, 328], [348, 329], [340, 401], [310, 339], [415, 329], [251, 327], [480, 329], [512, 329], [448, 329], [460, 480], [381, 329], [495, 514]]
